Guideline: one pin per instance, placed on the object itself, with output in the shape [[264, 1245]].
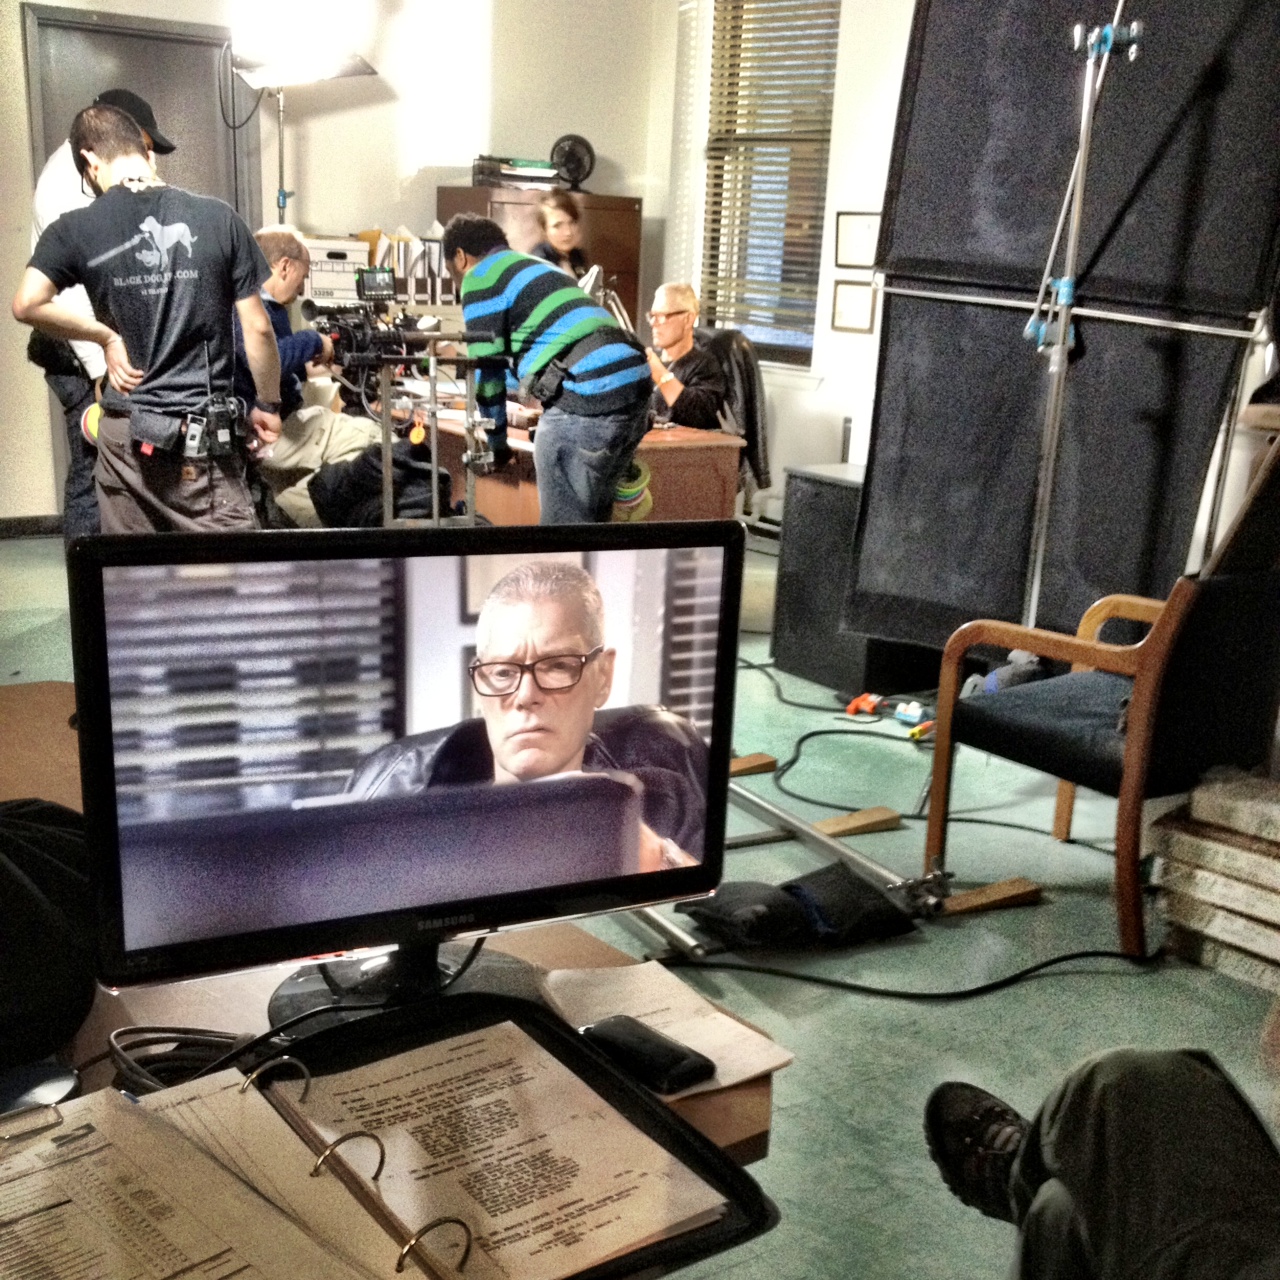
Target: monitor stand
[[412, 974]]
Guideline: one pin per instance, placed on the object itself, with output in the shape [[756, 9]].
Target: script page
[[242, 1131], [491, 1128], [115, 1194]]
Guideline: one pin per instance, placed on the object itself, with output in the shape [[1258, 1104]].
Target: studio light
[[306, 66]]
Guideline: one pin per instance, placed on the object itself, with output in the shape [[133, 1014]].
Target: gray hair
[[280, 240], [680, 296], [548, 580]]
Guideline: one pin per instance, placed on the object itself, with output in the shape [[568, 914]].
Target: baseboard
[[30, 526]]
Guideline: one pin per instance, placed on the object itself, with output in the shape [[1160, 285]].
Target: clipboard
[[748, 1212]]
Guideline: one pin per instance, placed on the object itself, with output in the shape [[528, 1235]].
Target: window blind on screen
[[693, 622], [250, 685], [772, 83]]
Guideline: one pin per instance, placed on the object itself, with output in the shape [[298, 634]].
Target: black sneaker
[[973, 1138]]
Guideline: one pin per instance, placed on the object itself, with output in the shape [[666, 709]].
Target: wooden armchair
[[1136, 720]]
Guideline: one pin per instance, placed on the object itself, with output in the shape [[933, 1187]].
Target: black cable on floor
[[794, 758], [861, 988], [925, 746], [763, 668]]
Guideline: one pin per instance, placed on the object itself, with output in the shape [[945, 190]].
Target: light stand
[[282, 196], [1055, 334], [275, 77]]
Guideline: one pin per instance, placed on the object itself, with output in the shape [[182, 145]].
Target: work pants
[[1147, 1166], [165, 492], [310, 437], [79, 498], [579, 461]]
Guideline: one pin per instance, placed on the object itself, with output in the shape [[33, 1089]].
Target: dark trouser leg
[[80, 501], [1051, 1243], [139, 493], [580, 459], [1164, 1170]]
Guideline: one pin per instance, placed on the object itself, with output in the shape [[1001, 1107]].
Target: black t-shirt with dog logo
[[164, 268]]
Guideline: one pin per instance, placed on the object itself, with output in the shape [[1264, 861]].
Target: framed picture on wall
[[853, 308], [856, 236]]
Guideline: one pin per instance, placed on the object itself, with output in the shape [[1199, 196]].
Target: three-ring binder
[[346, 1137], [7, 1135], [288, 1060], [431, 1226], [283, 1060]]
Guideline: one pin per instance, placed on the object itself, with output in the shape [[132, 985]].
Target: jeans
[[79, 501], [1147, 1166], [579, 461]]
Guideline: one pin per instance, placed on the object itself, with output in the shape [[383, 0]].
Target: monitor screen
[[297, 744]]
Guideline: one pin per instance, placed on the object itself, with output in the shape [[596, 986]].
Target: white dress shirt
[[58, 191]]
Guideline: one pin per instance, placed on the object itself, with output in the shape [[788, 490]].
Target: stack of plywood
[[1218, 865]]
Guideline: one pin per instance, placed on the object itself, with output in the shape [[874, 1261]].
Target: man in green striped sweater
[[591, 376]]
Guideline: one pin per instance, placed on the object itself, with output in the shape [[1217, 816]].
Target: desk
[[40, 760], [694, 475]]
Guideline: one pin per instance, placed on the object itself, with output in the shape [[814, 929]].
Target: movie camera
[[361, 335]]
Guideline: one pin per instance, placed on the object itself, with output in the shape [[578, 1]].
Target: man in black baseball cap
[[72, 369], [140, 110]]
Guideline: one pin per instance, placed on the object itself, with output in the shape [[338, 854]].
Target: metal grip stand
[[1055, 334], [476, 457]]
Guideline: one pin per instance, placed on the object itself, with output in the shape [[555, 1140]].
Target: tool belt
[[544, 386], [217, 431]]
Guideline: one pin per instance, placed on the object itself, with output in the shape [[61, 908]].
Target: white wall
[[504, 77], [369, 151], [807, 408]]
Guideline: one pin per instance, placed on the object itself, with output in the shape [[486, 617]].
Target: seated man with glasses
[[689, 386], [542, 671]]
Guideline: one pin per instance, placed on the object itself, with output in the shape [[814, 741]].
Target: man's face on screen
[[536, 732]]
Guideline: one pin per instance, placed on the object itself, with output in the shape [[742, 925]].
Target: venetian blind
[[693, 624], [247, 685], [772, 84]]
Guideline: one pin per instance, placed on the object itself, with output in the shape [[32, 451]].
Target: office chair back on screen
[[662, 749], [1139, 720]]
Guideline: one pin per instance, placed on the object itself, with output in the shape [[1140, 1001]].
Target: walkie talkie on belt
[[214, 431]]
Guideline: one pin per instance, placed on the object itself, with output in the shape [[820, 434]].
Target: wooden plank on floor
[[758, 762], [1017, 892], [39, 750], [877, 818]]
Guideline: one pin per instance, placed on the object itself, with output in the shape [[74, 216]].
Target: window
[[693, 626], [277, 680], [772, 82]]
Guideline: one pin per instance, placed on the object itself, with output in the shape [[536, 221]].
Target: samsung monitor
[[295, 744]]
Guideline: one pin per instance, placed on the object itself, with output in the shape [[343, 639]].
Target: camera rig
[[358, 331], [372, 351]]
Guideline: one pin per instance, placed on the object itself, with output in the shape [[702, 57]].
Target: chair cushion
[[1066, 726]]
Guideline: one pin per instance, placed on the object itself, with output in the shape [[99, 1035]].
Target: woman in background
[[563, 230]]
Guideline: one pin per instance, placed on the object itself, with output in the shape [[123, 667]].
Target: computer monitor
[[295, 744]]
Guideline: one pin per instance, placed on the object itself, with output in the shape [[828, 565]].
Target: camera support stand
[[477, 458]]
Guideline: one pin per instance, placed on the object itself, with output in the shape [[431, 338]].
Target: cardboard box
[[333, 268]]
